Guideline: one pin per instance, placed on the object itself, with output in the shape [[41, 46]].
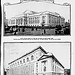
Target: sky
[[33, 6], [13, 51]]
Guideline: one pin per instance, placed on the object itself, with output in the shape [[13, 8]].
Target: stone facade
[[31, 18], [36, 62]]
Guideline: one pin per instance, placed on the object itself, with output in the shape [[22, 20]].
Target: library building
[[36, 62]]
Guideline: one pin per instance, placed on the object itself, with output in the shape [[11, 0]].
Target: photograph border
[[41, 42], [37, 35]]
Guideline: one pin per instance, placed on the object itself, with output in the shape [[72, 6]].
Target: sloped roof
[[45, 56], [30, 52]]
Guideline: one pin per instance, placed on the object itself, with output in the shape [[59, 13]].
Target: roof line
[[57, 60], [52, 57], [29, 53]]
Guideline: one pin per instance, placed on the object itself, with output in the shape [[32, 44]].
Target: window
[[20, 62], [27, 59], [12, 21], [36, 64], [25, 20], [55, 68], [53, 65], [23, 60], [44, 68], [44, 65], [21, 20], [32, 58], [37, 67], [43, 17]]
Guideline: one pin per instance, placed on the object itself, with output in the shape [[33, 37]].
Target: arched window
[[27, 59], [20, 62], [32, 57], [23, 60]]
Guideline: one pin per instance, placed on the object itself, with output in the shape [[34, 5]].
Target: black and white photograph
[[37, 58], [36, 17]]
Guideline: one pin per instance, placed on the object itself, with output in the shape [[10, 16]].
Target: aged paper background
[[62, 38]]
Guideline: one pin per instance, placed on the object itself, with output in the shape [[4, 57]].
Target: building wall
[[49, 20], [20, 21], [12, 22], [44, 19], [20, 61], [24, 69], [48, 66], [55, 20], [62, 21], [56, 67], [33, 20], [45, 63], [37, 20], [21, 67]]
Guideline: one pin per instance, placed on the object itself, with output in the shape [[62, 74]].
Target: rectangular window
[[36, 67], [32, 57], [44, 65], [44, 68], [18, 63], [23, 60], [52, 64], [36, 64]]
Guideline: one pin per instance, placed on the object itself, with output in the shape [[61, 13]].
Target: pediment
[[43, 57]]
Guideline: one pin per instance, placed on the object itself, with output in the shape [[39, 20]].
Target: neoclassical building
[[36, 62], [31, 18]]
